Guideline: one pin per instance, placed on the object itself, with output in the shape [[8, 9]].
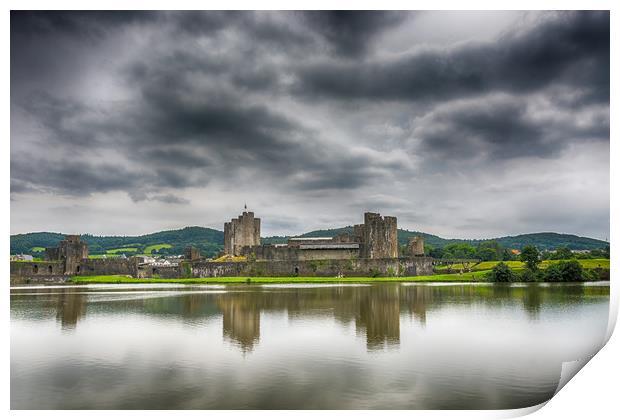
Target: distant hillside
[[211, 241], [403, 236], [545, 240], [550, 240]]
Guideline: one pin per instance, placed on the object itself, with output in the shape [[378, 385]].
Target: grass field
[[37, 249], [487, 265], [121, 250], [149, 249]]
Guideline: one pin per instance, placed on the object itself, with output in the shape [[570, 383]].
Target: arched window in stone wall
[[35, 269], [50, 269]]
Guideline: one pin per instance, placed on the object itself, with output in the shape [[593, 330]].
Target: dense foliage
[[530, 256], [562, 271], [502, 273]]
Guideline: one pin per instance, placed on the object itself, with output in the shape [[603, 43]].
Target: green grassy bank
[[515, 265], [478, 276]]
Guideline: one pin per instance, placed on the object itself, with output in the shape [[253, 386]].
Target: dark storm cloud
[[502, 127], [88, 24], [499, 128], [176, 137], [348, 31], [572, 49], [334, 106], [72, 177]]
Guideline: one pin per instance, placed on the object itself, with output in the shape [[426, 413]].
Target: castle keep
[[240, 232], [368, 249], [378, 236]]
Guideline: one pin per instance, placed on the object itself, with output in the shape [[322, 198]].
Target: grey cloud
[[571, 49], [298, 107], [350, 31], [177, 157], [90, 25], [72, 177], [502, 127], [138, 196], [170, 199]]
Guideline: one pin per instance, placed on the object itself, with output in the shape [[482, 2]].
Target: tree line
[[492, 250], [565, 270]]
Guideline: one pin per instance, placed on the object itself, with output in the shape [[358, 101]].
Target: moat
[[397, 345]]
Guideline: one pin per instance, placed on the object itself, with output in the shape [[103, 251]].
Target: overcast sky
[[461, 124]]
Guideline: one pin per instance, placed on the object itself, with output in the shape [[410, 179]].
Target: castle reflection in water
[[376, 310]]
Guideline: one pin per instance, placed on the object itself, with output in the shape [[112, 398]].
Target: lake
[[313, 346]]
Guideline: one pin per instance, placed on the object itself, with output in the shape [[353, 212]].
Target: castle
[[367, 249], [376, 238]]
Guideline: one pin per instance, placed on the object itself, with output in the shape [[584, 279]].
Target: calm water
[[299, 346]]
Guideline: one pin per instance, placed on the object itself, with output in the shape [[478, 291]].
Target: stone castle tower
[[415, 246], [71, 250], [240, 232], [378, 236]]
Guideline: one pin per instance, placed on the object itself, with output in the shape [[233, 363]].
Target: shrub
[[528, 275], [571, 270], [565, 271], [552, 273], [502, 273]]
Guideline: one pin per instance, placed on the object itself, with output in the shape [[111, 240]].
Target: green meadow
[[155, 248], [516, 265], [121, 250]]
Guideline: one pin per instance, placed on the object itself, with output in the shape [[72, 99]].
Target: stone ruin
[[240, 232], [415, 246], [71, 251], [191, 254], [378, 236]]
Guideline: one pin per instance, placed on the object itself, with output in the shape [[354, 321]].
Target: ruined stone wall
[[275, 253], [415, 246], [269, 252], [107, 266], [42, 271], [386, 267], [240, 232], [327, 254], [164, 272], [378, 236], [27, 269], [23, 272]]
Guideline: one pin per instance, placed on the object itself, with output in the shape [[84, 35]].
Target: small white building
[[22, 257]]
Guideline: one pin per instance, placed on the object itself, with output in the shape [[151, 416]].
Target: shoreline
[[438, 278], [478, 277]]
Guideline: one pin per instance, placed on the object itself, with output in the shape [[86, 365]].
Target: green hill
[[169, 242], [545, 240], [211, 241]]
